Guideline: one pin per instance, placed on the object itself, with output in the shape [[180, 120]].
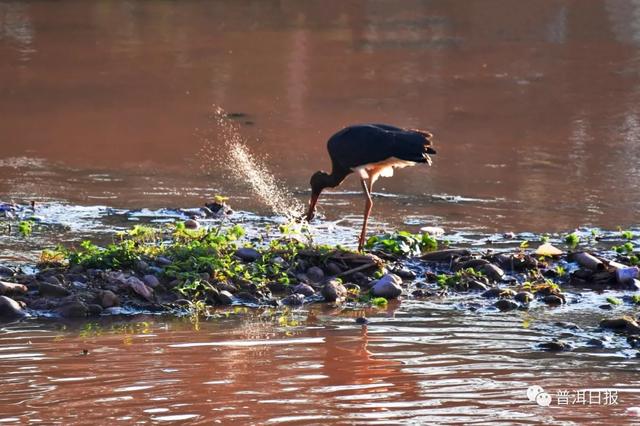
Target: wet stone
[[108, 299], [52, 290], [524, 297], [475, 285], [164, 261], [5, 271], [493, 272], [248, 254], [362, 321], [553, 300], [333, 268], [304, 289], [554, 346], [191, 224], [248, 297], [315, 274], [295, 299], [51, 279], [333, 291], [597, 343], [9, 308], [388, 286], [505, 305], [94, 309], [12, 288], [74, 309], [405, 273], [492, 293], [625, 324], [225, 298], [151, 280], [277, 288]]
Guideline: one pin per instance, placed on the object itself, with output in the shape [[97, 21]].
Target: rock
[[9, 308], [225, 298], [475, 264], [388, 286], [506, 305], [362, 321], [151, 280], [333, 291], [74, 309], [164, 261], [52, 290], [277, 288], [94, 309], [248, 297], [547, 249], [315, 274], [5, 271], [493, 272], [475, 285], [554, 346], [553, 299], [248, 254], [444, 255], [598, 343], [140, 288], [507, 293], [191, 224], [405, 274], [624, 324], [524, 297], [108, 299], [304, 289], [7, 288], [51, 279], [492, 293], [333, 268], [295, 299], [227, 286], [140, 266]]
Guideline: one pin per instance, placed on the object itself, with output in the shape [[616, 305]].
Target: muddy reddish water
[[535, 110]]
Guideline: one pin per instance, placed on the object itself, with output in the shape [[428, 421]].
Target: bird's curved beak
[[312, 206]]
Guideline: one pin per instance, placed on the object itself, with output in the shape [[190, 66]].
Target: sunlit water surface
[[109, 116]]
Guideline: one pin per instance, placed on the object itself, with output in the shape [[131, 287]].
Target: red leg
[[367, 210]]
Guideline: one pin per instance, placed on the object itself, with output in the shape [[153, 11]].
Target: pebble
[[295, 299], [315, 274], [362, 321], [277, 288], [51, 279], [151, 280], [225, 298], [164, 261], [248, 297], [94, 309], [333, 268], [553, 299], [52, 290], [524, 297], [405, 273], [248, 254], [493, 272], [73, 309], [9, 308], [6, 288], [304, 289], [506, 305], [108, 299], [333, 291], [475, 285], [388, 286], [626, 324], [5, 271], [492, 293], [554, 346], [191, 224]]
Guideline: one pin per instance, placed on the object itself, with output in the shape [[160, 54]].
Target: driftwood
[[444, 255]]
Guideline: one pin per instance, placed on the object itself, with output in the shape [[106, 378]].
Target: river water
[[108, 115]]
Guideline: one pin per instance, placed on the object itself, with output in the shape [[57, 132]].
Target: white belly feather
[[381, 168]]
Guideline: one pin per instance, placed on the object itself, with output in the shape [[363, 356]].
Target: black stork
[[371, 150]]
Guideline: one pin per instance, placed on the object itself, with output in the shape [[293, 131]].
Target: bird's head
[[428, 142], [318, 182]]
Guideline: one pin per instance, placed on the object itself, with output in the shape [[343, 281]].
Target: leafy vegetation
[[25, 227], [572, 240], [402, 243], [614, 300]]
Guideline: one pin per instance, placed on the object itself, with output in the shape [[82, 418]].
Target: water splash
[[245, 167]]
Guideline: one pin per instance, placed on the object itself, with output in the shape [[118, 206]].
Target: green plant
[[614, 300], [379, 302], [402, 243], [636, 299], [572, 240], [25, 227], [628, 235]]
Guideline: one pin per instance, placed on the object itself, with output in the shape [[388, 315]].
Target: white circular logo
[[543, 399], [533, 391]]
